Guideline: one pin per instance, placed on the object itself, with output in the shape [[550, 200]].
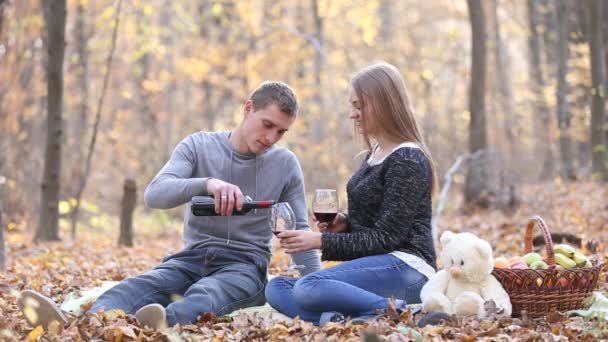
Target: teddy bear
[[466, 282]]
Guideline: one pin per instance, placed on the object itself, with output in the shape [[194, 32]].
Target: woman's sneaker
[[39, 310]]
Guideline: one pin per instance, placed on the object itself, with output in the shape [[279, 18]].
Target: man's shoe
[[39, 310], [152, 316]]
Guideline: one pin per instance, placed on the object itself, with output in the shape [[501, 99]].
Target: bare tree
[[2, 248], [542, 117], [563, 114], [170, 88], [106, 78], [503, 81], [598, 91], [129, 198], [79, 126], [2, 5], [54, 17], [318, 130], [476, 183]]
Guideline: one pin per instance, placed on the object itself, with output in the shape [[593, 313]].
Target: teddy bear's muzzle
[[456, 272]]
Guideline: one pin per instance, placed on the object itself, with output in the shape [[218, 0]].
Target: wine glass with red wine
[[325, 205], [282, 219]]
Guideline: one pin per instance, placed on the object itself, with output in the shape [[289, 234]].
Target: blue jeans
[[192, 282], [354, 288]]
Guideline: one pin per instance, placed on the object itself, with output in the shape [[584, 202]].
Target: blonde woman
[[385, 238]]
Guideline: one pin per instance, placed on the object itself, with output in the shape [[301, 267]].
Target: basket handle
[[548, 242]]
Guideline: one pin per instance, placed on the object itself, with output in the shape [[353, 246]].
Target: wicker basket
[[539, 291]]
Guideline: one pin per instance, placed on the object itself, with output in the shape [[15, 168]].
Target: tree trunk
[[208, 89], [476, 182], [82, 74], [2, 248], [318, 128], [598, 92], [503, 79], [2, 5], [129, 198], [563, 115], [542, 118], [54, 16], [170, 89]]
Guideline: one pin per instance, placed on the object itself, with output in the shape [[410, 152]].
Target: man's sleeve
[[173, 185], [295, 195]]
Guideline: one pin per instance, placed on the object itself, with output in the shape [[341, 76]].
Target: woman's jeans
[[192, 282], [354, 288]]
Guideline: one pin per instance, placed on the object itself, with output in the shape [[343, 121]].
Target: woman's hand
[[295, 241], [338, 225]]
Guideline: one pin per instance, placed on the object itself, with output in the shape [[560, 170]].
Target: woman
[[385, 240]]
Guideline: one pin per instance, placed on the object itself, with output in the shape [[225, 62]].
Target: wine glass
[[325, 205], [282, 219]]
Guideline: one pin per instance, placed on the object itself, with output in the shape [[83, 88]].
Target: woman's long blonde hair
[[381, 90]]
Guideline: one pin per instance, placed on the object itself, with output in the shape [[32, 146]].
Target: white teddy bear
[[466, 282]]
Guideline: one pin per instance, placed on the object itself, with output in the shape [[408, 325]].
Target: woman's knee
[[277, 288], [307, 291]]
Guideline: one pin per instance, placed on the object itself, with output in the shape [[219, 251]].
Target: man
[[224, 264]]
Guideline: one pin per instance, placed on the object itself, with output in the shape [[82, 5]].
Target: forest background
[[94, 96]]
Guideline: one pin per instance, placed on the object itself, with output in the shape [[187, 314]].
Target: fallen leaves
[[63, 267]]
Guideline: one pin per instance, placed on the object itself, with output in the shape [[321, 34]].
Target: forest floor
[[56, 269]]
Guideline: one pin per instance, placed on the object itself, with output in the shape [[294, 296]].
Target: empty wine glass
[[325, 205], [282, 219]]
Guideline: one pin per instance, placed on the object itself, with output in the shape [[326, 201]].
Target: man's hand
[[295, 241], [227, 196], [338, 225]]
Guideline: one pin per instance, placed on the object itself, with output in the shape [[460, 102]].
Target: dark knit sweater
[[389, 209]]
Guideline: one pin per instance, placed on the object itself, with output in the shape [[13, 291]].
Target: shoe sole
[[39, 310]]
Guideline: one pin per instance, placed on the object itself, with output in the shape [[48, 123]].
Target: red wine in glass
[[325, 205], [325, 216]]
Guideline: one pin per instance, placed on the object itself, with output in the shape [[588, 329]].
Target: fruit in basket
[[539, 264], [563, 282], [530, 258], [513, 259], [564, 261], [581, 260], [564, 249], [519, 265], [501, 263]]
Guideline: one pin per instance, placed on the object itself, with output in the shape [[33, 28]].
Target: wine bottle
[[205, 206]]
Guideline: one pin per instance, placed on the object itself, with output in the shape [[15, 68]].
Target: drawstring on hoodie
[[230, 181]]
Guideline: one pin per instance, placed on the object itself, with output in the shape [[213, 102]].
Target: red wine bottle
[[325, 216], [205, 206]]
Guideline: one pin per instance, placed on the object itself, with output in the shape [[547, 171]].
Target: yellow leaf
[[30, 310], [64, 207], [35, 334], [427, 74], [115, 313]]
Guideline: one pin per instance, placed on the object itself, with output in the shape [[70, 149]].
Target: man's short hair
[[275, 92]]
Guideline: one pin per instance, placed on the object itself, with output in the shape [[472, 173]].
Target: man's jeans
[[354, 288], [193, 282]]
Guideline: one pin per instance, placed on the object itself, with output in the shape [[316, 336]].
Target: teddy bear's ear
[[484, 249], [446, 237]]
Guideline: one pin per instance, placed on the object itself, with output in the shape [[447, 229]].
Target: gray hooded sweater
[[274, 174]]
